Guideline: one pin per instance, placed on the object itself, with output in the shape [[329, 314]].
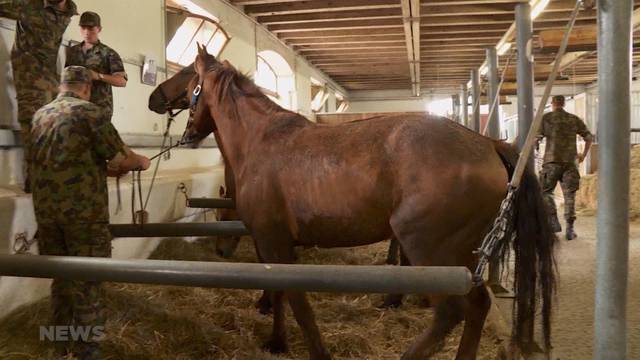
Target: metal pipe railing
[[211, 203], [218, 228], [322, 278]]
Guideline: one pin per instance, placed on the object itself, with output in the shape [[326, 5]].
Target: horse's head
[[172, 93], [200, 122]]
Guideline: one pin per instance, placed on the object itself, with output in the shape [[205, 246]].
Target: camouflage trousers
[[569, 177], [76, 303], [33, 91]]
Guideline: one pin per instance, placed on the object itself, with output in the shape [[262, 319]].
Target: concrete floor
[[573, 327]]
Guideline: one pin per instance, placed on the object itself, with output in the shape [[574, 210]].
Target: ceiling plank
[[302, 7], [371, 14]]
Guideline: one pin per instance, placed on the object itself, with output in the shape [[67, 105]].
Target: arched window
[[266, 78], [186, 27], [275, 77]]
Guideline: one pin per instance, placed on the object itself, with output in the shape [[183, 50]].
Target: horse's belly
[[329, 231]]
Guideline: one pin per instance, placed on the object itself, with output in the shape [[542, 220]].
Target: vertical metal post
[[524, 71], [464, 102], [475, 94], [614, 90], [494, 81], [455, 107]]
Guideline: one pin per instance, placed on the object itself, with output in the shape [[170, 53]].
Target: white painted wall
[[135, 28]]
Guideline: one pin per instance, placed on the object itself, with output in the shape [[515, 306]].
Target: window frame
[[171, 65]]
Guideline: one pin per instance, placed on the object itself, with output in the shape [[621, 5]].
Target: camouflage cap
[[89, 18], [75, 74]]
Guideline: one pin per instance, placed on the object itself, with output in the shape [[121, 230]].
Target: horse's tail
[[534, 276]]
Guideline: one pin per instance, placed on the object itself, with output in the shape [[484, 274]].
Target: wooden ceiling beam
[[488, 8], [302, 7], [338, 33], [493, 35], [257, 2], [339, 24], [347, 40], [468, 2], [467, 20], [356, 15], [377, 45]]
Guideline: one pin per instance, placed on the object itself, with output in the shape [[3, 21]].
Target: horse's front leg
[[277, 247], [277, 343], [306, 319]]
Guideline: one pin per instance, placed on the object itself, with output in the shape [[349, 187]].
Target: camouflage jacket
[[560, 129], [72, 142], [102, 59], [39, 31]]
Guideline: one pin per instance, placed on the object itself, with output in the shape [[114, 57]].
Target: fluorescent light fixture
[[503, 48], [537, 7]]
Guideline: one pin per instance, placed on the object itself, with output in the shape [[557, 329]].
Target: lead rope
[[503, 223]]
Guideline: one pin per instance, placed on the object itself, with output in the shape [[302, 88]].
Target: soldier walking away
[[105, 64], [75, 148], [39, 30], [560, 161]]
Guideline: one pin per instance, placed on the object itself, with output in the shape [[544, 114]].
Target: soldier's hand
[[144, 162]]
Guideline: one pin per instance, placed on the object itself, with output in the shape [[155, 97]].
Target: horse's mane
[[232, 84]]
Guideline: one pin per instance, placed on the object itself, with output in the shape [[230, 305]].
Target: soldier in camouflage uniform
[[560, 161], [75, 147], [39, 30], [105, 64]]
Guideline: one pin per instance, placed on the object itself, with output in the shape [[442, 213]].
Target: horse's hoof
[[391, 302], [276, 346], [264, 307], [324, 355], [426, 303]]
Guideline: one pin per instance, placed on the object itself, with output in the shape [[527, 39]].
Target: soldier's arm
[[117, 75], [109, 147], [11, 9], [586, 135], [540, 134]]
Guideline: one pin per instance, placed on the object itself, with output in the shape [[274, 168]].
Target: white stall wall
[[135, 29]]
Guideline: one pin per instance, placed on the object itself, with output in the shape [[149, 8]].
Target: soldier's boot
[[571, 234], [555, 223]]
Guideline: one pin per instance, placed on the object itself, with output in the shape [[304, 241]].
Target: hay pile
[[166, 322], [587, 196]]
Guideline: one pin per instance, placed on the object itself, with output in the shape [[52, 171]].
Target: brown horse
[[172, 95], [432, 183]]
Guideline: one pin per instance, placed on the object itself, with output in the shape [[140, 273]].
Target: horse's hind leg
[[478, 305], [448, 314], [395, 300]]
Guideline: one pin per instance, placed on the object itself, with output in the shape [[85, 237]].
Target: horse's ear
[[199, 48]]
